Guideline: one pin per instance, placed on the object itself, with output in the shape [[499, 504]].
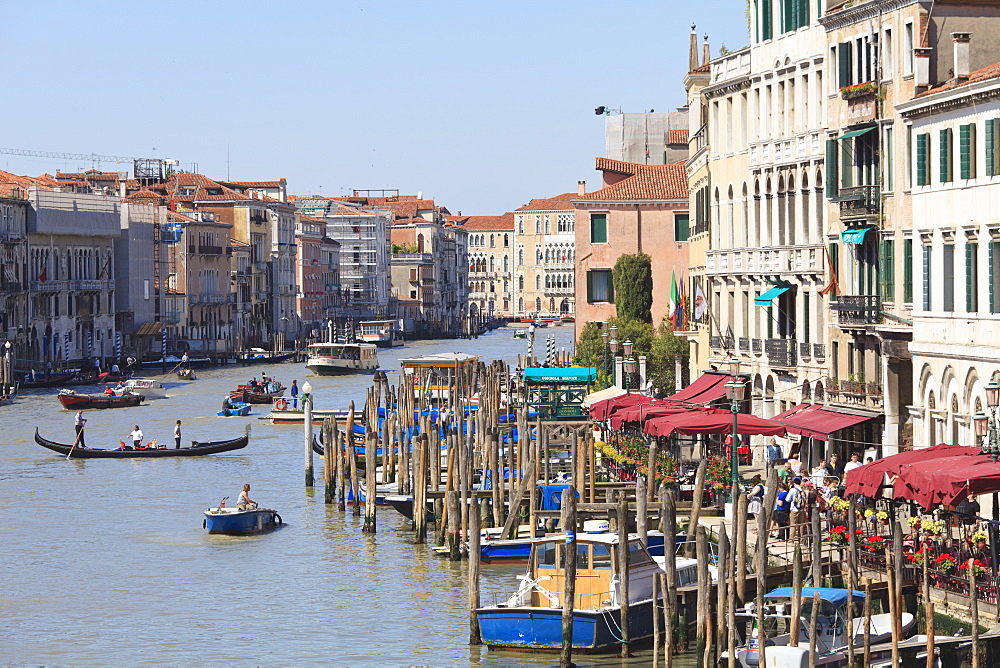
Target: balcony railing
[[819, 351], [91, 285], [805, 350], [855, 310], [858, 201], [757, 346], [210, 250], [47, 286], [744, 344], [781, 352]]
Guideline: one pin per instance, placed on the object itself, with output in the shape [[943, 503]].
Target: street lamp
[[734, 392], [629, 366], [605, 337]]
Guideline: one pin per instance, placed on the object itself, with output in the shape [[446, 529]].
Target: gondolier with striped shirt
[[80, 421]]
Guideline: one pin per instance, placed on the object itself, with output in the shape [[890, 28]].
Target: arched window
[[520, 283], [538, 281], [492, 242], [520, 257], [506, 241], [505, 263]]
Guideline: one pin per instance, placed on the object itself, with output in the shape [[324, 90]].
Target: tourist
[[294, 391], [136, 437], [795, 463], [836, 466], [785, 473], [819, 472], [177, 435], [79, 423], [773, 453], [796, 507], [756, 497], [97, 366], [244, 501], [779, 527], [853, 464], [254, 384], [869, 460], [969, 509]]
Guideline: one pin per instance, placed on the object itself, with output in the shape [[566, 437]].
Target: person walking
[[756, 498], [295, 393], [177, 435], [79, 423], [136, 437]]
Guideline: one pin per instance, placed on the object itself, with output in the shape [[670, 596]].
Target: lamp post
[[307, 421], [986, 426], [613, 346], [628, 364], [734, 392], [605, 337]]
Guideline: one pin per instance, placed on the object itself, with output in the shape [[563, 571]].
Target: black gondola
[[194, 450], [55, 381]]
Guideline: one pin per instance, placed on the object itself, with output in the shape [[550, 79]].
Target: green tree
[[659, 345], [633, 277]]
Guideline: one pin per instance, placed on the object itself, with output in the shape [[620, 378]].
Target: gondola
[[74, 401], [186, 374], [194, 450], [55, 381], [263, 358]]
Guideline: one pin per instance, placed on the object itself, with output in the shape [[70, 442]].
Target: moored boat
[[234, 521], [194, 450], [383, 333], [331, 359], [7, 394], [73, 401], [147, 387], [235, 409], [34, 381]]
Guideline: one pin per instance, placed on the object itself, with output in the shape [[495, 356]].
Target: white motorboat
[[382, 333], [147, 387], [332, 359]]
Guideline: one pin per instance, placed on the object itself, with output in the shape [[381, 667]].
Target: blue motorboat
[[235, 409], [234, 521], [531, 618]]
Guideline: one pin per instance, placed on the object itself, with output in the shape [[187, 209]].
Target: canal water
[[106, 561]]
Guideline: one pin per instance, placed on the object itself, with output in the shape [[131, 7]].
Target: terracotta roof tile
[[984, 74], [642, 182], [677, 136], [256, 184], [503, 222], [707, 67], [144, 197], [558, 203]]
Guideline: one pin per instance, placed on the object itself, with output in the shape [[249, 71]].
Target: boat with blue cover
[[531, 617], [235, 409], [240, 522]]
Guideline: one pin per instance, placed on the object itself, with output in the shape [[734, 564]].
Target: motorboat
[[235, 409], [149, 388], [73, 401], [383, 333], [240, 522], [263, 393], [332, 359]]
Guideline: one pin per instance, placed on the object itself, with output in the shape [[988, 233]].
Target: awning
[[586, 374], [856, 133], [867, 479], [769, 296], [856, 236], [712, 421], [602, 410], [149, 328], [791, 411], [711, 386], [818, 422], [643, 412], [607, 393]]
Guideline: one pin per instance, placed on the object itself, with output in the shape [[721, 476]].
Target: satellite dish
[[599, 111]]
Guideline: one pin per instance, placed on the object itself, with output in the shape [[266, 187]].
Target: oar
[[75, 441]]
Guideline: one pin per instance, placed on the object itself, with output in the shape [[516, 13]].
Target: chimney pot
[[706, 52], [922, 60], [581, 187], [693, 51], [961, 48]]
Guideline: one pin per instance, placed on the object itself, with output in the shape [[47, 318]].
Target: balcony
[[744, 344], [12, 286], [91, 285], [214, 299], [781, 352], [805, 350], [819, 351], [210, 250], [47, 286], [858, 310], [757, 346], [858, 202], [857, 392]]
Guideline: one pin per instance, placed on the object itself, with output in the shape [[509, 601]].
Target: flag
[[834, 284], [700, 305], [104, 269], [44, 276], [673, 300], [682, 306]]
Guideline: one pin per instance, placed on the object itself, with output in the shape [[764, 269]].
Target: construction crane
[[143, 168]]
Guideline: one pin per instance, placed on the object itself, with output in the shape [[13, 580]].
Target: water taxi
[[149, 388], [331, 359], [383, 333]]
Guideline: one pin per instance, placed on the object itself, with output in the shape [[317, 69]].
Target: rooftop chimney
[[581, 187], [922, 66], [693, 52], [961, 44], [706, 52]]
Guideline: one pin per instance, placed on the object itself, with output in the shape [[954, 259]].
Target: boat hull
[[235, 410], [540, 629], [237, 522], [323, 367], [97, 401], [194, 450], [55, 381]]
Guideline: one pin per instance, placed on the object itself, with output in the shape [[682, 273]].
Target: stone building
[[545, 247]]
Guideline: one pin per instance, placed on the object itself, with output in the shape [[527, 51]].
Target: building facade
[[491, 264], [545, 247]]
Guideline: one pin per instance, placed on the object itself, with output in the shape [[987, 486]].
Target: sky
[[482, 106]]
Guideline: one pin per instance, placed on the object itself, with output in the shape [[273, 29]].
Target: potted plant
[[875, 544], [838, 534], [858, 90], [978, 567], [945, 563]]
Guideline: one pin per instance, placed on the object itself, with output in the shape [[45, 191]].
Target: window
[[992, 148], [927, 277], [844, 61], [923, 159], [888, 61], [600, 287], [887, 270], [889, 179], [967, 151], [971, 277], [908, 271], [945, 155], [766, 15], [908, 48], [681, 224], [598, 228], [948, 260], [994, 262]]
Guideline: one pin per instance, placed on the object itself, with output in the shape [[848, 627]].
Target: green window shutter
[[993, 259], [971, 275], [847, 163], [805, 317], [844, 64], [766, 16], [948, 274], [923, 144], [835, 267], [991, 147], [598, 228], [927, 277], [908, 270], [681, 226], [590, 287], [887, 270], [967, 150], [611, 287], [944, 155], [831, 168], [770, 322]]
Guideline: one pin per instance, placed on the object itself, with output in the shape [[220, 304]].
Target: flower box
[[858, 90]]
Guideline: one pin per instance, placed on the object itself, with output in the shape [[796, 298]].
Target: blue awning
[[856, 236], [769, 296], [837, 597]]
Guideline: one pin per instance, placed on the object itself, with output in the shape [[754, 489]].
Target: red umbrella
[[712, 421]]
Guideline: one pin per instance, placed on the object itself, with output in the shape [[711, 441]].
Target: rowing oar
[[175, 368], [77, 440]]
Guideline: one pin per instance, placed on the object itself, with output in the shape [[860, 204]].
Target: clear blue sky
[[479, 105]]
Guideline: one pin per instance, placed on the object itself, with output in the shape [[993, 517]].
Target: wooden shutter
[[971, 270], [908, 270], [590, 287], [887, 270], [967, 150], [944, 155], [994, 256], [991, 148], [927, 277], [832, 176], [923, 143], [611, 286], [835, 267], [844, 64], [766, 16]]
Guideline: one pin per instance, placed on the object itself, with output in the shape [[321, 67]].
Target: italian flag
[[674, 300]]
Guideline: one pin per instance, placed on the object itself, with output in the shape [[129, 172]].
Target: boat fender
[[280, 404], [204, 523], [277, 518]]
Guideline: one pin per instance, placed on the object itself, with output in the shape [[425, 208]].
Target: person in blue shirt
[[295, 394], [780, 525]]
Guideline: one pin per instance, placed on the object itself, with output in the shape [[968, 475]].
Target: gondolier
[[80, 421], [136, 437], [177, 434], [184, 361]]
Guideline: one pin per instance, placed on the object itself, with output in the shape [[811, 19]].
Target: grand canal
[[106, 561]]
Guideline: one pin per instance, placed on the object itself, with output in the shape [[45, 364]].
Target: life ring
[[280, 404]]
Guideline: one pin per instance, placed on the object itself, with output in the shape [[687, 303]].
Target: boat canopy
[[587, 374], [837, 597]]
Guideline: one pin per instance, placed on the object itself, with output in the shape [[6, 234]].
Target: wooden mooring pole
[[569, 525], [475, 635], [623, 601]]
